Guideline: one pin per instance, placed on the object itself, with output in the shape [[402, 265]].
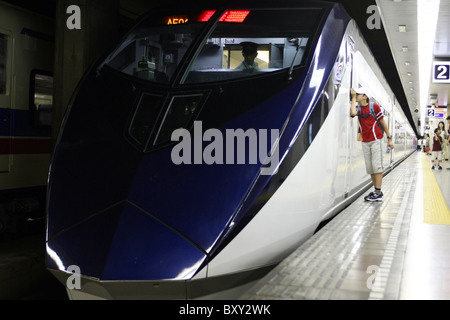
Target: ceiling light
[[427, 17], [409, 74], [402, 28], [405, 49], [407, 63]]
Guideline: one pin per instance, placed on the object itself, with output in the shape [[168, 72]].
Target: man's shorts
[[373, 155]]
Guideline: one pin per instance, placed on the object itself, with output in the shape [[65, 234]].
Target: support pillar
[[77, 49]]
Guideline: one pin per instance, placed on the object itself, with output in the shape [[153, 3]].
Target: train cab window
[[266, 41], [162, 46], [154, 53], [3, 63]]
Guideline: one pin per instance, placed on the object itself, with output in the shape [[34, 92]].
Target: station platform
[[23, 275], [392, 250]]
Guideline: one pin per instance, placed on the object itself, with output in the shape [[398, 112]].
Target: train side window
[[3, 62], [41, 97]]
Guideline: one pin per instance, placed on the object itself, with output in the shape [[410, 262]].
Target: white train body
[[331, 173]]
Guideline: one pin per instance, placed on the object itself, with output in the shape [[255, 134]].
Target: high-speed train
[[26, 98], [178, 174]]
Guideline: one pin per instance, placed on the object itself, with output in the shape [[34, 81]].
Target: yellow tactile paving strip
[[435, 209]]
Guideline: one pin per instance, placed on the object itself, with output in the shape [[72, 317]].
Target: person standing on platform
[[427, 145], [372, 127], [448, 142], [441, 126], [436, 153]]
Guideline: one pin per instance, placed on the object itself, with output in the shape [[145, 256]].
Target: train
[[180, 175], [26, 102]]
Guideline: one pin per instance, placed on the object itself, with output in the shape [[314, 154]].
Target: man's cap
[[249, 47], [364, 90]]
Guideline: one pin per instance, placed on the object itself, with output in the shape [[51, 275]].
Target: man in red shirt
[[372, 136]]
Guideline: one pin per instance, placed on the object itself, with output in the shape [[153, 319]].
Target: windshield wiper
[[291, 69]]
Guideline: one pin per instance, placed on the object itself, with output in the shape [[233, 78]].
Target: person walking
[[372, 127]]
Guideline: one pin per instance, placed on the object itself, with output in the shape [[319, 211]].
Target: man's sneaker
[[372, 197]]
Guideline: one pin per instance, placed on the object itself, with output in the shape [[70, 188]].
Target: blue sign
[[441, 72], [435, 113]]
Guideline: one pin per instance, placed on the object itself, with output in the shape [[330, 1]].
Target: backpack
[[372, 113]]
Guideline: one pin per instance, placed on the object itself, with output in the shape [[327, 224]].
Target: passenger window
[[41, 97], [3, 62]]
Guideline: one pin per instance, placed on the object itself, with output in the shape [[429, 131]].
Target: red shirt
[[370, 130]]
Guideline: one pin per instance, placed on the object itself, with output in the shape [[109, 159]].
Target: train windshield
[[243, 43]]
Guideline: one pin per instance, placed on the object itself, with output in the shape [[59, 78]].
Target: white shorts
[[373, 155], [436, 155]]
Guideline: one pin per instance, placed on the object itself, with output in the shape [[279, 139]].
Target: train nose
[[124, 243]]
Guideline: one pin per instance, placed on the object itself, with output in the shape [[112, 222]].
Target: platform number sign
[[441, 72], [435, 113]]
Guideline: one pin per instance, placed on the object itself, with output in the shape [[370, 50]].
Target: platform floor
[[23, 275], [398, 249]]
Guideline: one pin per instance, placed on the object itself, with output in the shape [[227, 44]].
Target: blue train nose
[[124, 243]]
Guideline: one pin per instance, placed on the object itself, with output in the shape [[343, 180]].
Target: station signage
[[441, 72], [437, 113]]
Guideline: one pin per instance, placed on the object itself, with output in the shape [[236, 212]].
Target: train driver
[[249, 52]]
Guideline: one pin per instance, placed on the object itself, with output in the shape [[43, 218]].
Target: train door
[[349, 123], [389, 116], [5, 99]]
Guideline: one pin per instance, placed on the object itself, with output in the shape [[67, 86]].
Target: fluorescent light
[[427, 18], [407, 63], [402, 28], [405, 49]]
